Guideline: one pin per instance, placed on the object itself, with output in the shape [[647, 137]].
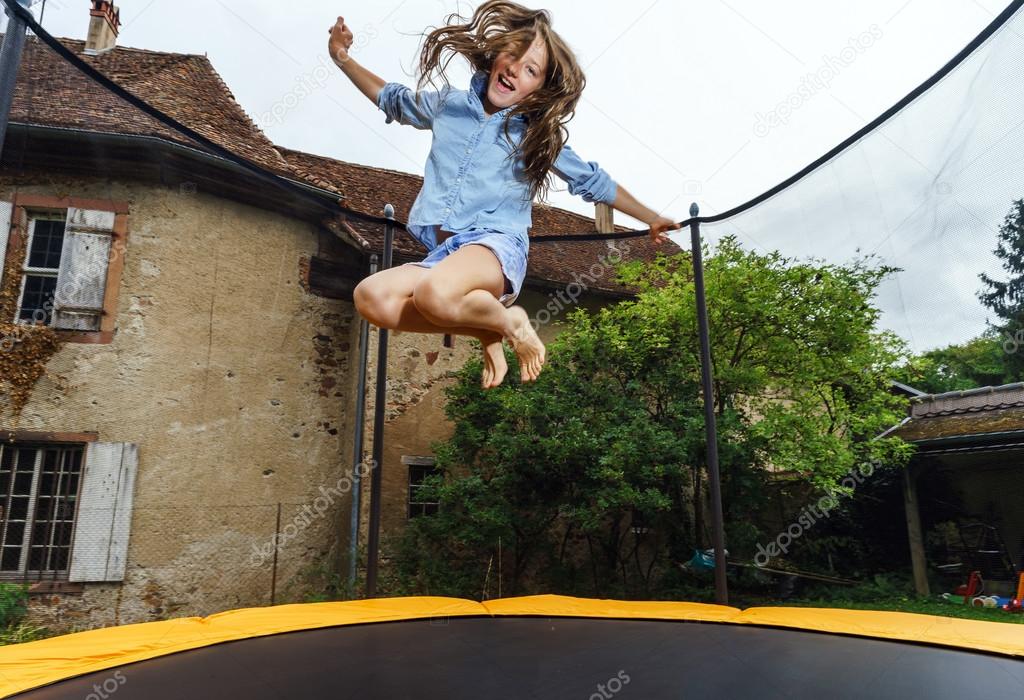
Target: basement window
[[39, 487], [419, 469]]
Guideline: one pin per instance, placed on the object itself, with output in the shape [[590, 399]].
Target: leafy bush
[[546, 482], [13, 603]]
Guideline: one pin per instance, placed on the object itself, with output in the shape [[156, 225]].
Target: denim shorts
[[511, 249]]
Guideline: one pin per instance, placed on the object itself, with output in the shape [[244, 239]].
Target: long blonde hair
[[499, 25]]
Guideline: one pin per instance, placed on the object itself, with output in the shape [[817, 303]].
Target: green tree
[[592, 478], [1006, 299], [981, 361]]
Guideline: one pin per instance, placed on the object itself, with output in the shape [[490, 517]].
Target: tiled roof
[[985, 398], [51, 92], [987, 410]]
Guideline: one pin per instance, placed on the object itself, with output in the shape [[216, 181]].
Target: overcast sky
[[686, 101]]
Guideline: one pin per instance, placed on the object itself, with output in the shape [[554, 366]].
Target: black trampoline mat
[[533, 657]]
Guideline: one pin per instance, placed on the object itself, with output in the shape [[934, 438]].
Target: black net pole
[[718, 529], [357, 446], [10, 60], [373, 537]]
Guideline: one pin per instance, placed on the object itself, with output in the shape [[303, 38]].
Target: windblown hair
[[497, 26]]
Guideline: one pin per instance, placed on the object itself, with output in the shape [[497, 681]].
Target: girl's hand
[[340, 42], [659, 226]]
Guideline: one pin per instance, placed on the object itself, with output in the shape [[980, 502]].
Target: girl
[[493, 148]]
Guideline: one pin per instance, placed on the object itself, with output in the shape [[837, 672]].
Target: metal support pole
[[373, 537], [357, 446], [711, 430], [277, 547], [10, 61]]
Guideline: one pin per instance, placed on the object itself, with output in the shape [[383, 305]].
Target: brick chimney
[[604, 220], [104, 21]]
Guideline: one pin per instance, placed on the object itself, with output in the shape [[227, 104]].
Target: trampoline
[[532, 647]]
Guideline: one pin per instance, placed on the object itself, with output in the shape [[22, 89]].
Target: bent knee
[[375, 302], [434, 299], [365, 296]]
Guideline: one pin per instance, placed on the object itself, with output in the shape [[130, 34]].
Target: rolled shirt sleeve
[[399, 103], [586, 179]]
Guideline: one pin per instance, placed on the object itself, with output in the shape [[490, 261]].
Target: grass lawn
[[882, 592], [924, 606]]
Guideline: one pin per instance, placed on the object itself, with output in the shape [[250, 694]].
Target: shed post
[[913, 515]]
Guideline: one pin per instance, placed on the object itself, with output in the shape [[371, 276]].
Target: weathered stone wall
[[234, 381]]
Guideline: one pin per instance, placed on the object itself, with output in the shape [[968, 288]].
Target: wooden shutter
[[82, 279], [6, 209], [104, 515]]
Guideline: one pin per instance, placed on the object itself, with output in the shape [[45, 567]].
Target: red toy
[[972, 588]]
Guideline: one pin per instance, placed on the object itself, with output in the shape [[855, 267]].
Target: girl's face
[[513, 79]]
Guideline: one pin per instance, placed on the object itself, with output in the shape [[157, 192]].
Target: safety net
[[180, 355]]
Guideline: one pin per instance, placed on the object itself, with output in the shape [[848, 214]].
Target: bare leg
[[385, 300], [462, 291]]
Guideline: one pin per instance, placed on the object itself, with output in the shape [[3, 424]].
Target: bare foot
[[495, 365], [526, 343]]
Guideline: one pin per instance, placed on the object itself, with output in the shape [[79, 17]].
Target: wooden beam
[[334, 279], [604, 218], [13, 435], [913, 515]]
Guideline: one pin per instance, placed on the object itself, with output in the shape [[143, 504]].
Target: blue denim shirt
[[469, 181]]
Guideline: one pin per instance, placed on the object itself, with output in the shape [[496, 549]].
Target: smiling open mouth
[[503, 83]]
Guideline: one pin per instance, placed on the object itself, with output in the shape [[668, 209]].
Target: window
[[419, 469], [38, 493], [42, 265], [70, 258], [639, 523]]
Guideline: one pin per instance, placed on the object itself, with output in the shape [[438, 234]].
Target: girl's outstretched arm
[[628, 204], [594, 184], [398, 102], [338, 45]]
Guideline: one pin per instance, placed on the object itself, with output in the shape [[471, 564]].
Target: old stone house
[[178, 343]]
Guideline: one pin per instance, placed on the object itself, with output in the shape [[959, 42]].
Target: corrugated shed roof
[[985, 410], [984, 398]]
